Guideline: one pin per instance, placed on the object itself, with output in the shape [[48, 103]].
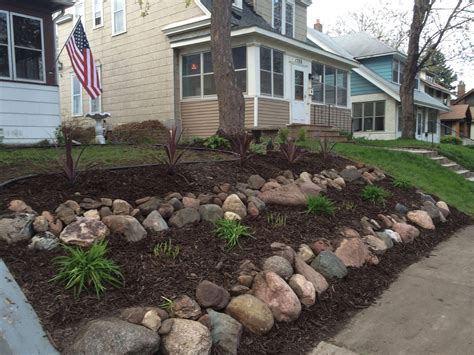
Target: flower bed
[[202, 256]]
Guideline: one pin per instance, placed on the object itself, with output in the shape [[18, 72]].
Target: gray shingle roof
[[361, 44], [327, 43]]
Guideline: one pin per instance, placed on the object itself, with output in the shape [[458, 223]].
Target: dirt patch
[[202, 256]]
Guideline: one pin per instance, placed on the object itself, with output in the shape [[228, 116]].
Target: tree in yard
[[427, 25], [442, 72]]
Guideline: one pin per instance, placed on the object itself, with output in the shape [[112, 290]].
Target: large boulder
[[113, 336], [252, 313], [279, 265], [234, 204], [351, 175], [126, 226], [84, 232], [278, 295], [286, 195], [353, 252], [319, 282], [16, 227], [225, 332], [421, 219], [328, 264], [154, 223], [187, 337], [406, 231], [211, 213], [184, 216], [303, 289], [210, 295]]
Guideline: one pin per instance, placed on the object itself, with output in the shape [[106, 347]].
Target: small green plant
[[402, 183], [231, 232], [82, 269], [301, 137], [451, 140], [348, 205], [276, 220], [320, 205], [283, 135], [167, 304], [166, 249], [375, 194], [216, 141]]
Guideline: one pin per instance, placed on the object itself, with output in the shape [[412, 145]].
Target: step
[[463, 172], [470, 178], [451, 166]]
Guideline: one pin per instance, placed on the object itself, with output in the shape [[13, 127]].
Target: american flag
[[82, 61]]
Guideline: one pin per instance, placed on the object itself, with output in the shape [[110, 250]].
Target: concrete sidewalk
[[428, 310]]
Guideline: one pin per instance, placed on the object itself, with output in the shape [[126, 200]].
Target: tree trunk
[[229, 95], [407, 88]]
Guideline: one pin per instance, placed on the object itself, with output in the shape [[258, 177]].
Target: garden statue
[[99, 118]]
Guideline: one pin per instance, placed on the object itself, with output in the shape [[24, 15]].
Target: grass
[[402, 183], [320, 205], [231, 231], [166, 250]]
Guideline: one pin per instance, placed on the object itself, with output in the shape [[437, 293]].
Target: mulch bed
[[202, 256]]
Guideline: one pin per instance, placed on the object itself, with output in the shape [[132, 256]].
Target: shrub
[[301, 137], [451, 140], [173, 156], [216, 141], [82, 269], [283, 135], [231, 232], [150, 132], [375, 194], [66, 160], [241, 146], [291, 151], [276, 220], [166, 249], [402, 183], [320, 205]]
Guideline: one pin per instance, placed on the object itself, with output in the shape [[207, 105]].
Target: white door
[[299, 96], [420, 125]]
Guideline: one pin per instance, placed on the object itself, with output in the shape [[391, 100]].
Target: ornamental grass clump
[[276, 219], [69, 164], [320, 205], [166, 250], [375, 194], [231, 232], [83, 269], [402, 183], [291, 151]]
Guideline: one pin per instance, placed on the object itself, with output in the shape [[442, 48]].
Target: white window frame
[[124, 17], [99, 98], [292, 3], [283, 17], [272, 73], [13, 58], [9, 48], [324, 82], [80, 113], [77, 4], [237, 4], [373, 117], [101, 6]]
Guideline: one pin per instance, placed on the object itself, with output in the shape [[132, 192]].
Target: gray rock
[[432, 210], [211, 213], [16, 227], [44, 241], [151, 205], [113, 336], [252, 313], [90, 204], [66, 214], [184, 217], [234, 204], [177, 204], [206, 199], [386, 239], [121, 207], [127, 226], [328, 264], [279, 265], [105, 211], [426, 197], [225, 332], [187, 308], [351, 175], [402, 209], [166, 326], [258, 203], [40, 224], [187, 337], [154, 223], [166, 210], [319, 282], [210, 295], [84, 232], [256, 182]]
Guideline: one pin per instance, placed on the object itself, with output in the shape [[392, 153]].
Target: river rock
[[231, 216], [121, 207], [114, 336], [353, 252], [90, 204], [305, 253], [279, 265], [303, 289], [19, 206], [152, 320], [328, 264], [210, 295], [270, 186], [84, 232], [376, 244], [319, 282], [278, 295], [444, 208], [225, 332], [256, 182], [66, 214], [407, 232], [211, 213], [177, 204], [187, 308], [40, 224], [154, 223], [126, 226], [187, 337], [321, 245], [433, 211], [234, 204], [184, 216], [252, 313], [286, 195], [44, 241], [402, 209], [351, 175], [149, 205], [166, 210], [189, 202], [166, 326], [421, 218]]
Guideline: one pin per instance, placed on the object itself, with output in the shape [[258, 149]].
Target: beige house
[[155, 64]]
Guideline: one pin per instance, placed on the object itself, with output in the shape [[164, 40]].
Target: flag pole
[[67, 40]]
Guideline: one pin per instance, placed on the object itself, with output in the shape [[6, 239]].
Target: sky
[[328, 11]]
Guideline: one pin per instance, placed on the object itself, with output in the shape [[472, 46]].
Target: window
[[198, 75], [368, 116], [98, 13], [432, 121], [299, 85], [329, 85], [271, 72], [78, 11], [118, 17], [95, 105], [398, 68], [284, 16], [237, 3], [76, 96], [5, 65]]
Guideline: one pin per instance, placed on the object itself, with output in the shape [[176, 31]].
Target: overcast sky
[[328, 12]]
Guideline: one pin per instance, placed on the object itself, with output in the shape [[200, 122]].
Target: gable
[[361, 86]]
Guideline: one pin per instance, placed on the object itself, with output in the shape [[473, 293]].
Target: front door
[[420, 125], [299, 109]]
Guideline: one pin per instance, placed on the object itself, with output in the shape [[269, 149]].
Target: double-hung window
[[368, 116], [271, 72], [119, 22], [76, 96], [198, 74], [98, 13], [78, 12], [398, 68], [283, 18], [21, 47], [329, 85]]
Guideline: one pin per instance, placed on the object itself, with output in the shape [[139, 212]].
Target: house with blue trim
[[375, 88]]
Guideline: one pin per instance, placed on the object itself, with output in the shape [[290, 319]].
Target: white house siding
[[390, 116], [29, 113]]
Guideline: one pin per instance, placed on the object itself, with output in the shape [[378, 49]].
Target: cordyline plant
[[173, 156], [69, 164], [326, 147], [241, 146], [291, 151]]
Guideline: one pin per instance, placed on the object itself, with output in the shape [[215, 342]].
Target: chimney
[[318, 26], [461, 88]]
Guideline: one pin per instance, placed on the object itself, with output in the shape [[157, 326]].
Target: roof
[[393, 89], [327, 43], [362, 45], [462, 97], [458, 112], [51, 5], [436, 86]]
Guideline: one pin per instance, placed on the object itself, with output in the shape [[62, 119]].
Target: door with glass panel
[[299, 112]]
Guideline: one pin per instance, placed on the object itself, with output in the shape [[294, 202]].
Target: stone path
[[445, 162], [428, 310], [20, 330]]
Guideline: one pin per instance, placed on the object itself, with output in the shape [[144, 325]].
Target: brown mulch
[[202, 256]]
